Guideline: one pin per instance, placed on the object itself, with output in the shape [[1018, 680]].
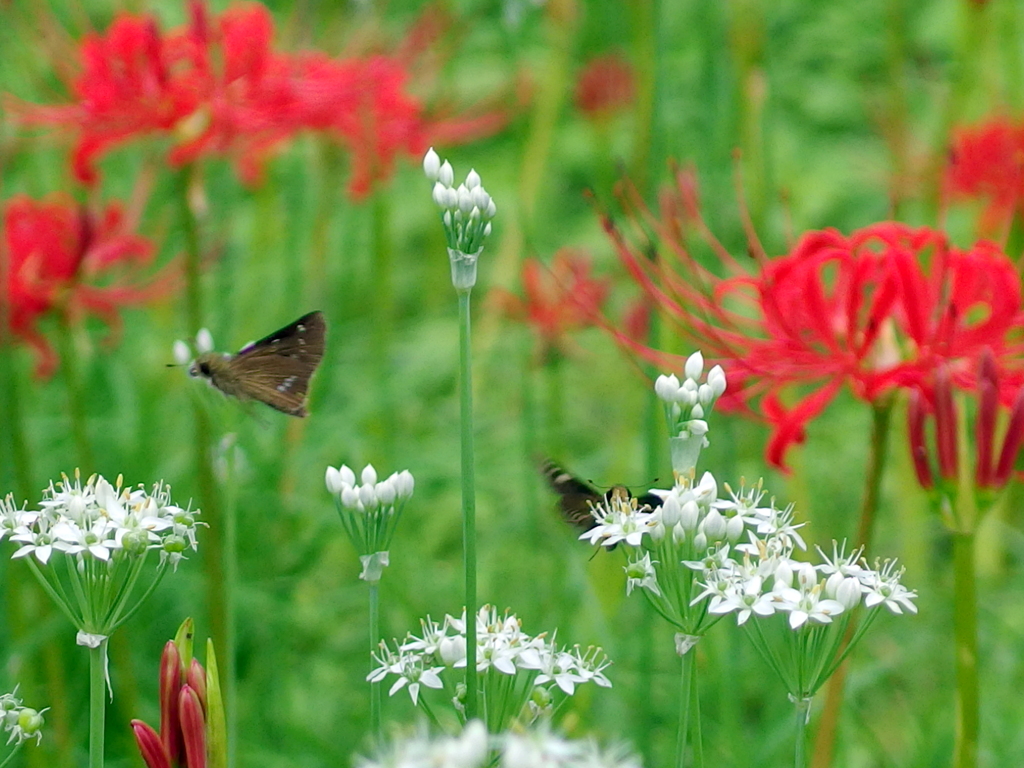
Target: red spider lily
[[557, 300], [991, 470], [218, 87], [878, 310], [604, 86], [987, 161], [58, 257]]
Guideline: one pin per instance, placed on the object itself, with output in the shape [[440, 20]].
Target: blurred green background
[[840, 109]]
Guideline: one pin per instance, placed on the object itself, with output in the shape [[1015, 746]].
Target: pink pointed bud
[[1011, 443], [170, 683], [193, 727], [915, 432], [988, 404], [153, 751], [945, 424], [196, 679]]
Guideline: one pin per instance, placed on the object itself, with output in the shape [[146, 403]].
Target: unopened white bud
[[734, 527], [665, 387], [678, 534], [714, 525], [452, 649], [465, 199], [431, 164], [783, 576], [705, 395], [350, 497], [849, 592], [440, 195], [405, 484], [348, 477], [472, 179], [689, 515], [487, 229], [492, 209], [716, 380], [694, 366], [446, 175], [333, 480], [806, 576], [697, 411], [369, 475], [385, 492], [367, 496], [670, 511]]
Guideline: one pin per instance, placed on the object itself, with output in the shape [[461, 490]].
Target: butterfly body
[[576, 498], [274, 370]]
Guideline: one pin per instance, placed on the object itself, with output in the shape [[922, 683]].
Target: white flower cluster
[[690, 526], [370, 511], [473, 748], [99, 520], [21, 722], [468, 209], [502, 648], [688, 404], [370, 494], [767, 580], [182, 351]]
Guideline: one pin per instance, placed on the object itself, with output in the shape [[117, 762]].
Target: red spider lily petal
[[915, 433], [557, 300], [945, 424], [985, 427], [193, 727], [987, 161], [878, 309], [152, 749], [60, 257], [1012, 442], [605, 86]]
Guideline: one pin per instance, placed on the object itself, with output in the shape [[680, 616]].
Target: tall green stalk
[[76, 402], [878, 455], [375, 697], [97, 703], [800, 752], [686, 684], [468, 497], [213, 541], [965, 637]]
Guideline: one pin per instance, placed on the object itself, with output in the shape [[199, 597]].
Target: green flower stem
[[375, 697], [878, 454], [686, 681], [16, 750], [214, 553], [800, 752], [965, 633], [230, 591], [97, 703], [468, 498], [382, 306], [76, 403]]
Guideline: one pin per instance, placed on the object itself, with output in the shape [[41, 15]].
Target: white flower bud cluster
[[467, 210], [688, 404], [370, 510], [502, 649], [21, 722], [101, 521], [369, 493], [182, 351]]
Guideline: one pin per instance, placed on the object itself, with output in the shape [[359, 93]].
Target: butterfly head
[[208, 365]]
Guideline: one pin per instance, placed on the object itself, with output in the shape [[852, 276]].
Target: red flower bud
[[1012, 441], [152, 748], [170, 684], [988, 404], [196, 680], [193, 727], [945, 424]]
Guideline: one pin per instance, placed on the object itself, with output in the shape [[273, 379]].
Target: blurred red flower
[[987, 161], [58, 257], [877, 310], [605, 86], [557, 300], [218, 87]]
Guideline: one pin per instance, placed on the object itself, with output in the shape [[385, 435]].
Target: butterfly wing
[[276, 369], [574, 495]]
